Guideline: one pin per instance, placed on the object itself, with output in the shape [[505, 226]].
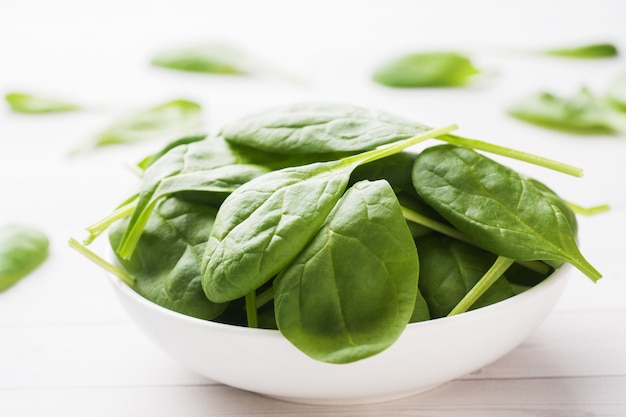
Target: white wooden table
[[66, 347]]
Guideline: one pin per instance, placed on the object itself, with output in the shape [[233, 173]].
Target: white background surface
[[66, 347]]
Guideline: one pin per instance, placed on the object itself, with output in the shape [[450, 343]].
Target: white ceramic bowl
[[427, 354]]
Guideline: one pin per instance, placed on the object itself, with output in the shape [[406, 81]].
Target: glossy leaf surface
[[262, 226], [499, 209], [205, 166], [166, 262], [450, 268], [350, 293], [317, 128]]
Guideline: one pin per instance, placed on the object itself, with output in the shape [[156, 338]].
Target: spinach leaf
[[266, 222], [592, 51], [581, 113], [617, 92], [318, 128], [174, 118], [199, 166], [22, 250], [206, 58], [166, 262], [350, 293], [34, 104], [429, 69], [449, 269], [502, 211], [395, 169], [185, 140]]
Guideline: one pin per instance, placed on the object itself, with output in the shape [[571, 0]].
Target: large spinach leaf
[[166, 262], [502, 211], [350, 293], [314, 128], [450, 268]]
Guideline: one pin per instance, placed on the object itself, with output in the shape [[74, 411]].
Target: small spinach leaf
[[502, 211], [592, 51], [449, 269], [22, 250], [166, 262], [318, 128], [350, 293], [34, 104], [206, 58], [174, 118], [429, 69], [581, 113]]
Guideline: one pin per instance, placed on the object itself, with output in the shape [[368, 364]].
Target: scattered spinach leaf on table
[[591, 51], [171, 119], [36, 104], [22, 250], [582, 113], [427, 69], [205, 58]]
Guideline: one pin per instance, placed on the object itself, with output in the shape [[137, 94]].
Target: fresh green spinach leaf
[[166, 262], [350, 293], [502, 211], [592, 51], [22, 250], [428, 69], [185, 140], [205, 58], [34, 104], [582, 113], [174, 118], [449, 269], [318, 128]]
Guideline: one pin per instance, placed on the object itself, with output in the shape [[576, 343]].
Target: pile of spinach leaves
[[315, 220]]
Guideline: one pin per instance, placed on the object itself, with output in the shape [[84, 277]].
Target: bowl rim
[[558, 275]]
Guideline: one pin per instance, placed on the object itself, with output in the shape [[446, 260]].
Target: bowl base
[[372, 399]]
